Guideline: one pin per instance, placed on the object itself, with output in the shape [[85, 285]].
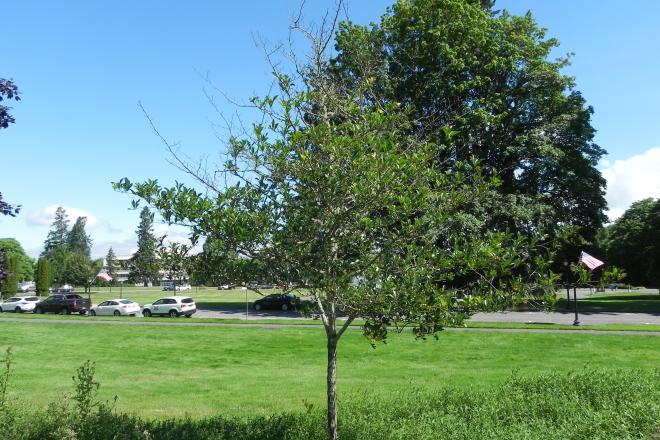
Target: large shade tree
[[491, 81], [633, 242], [334, 196], [11, 246]]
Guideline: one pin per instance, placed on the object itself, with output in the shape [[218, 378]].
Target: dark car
[[279, 301], [62, 289], [64, 304]]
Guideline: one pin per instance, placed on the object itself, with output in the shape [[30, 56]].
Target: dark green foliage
[[44, 276], [11, 246], [633, 243], [589, 405], [7, 209], [77, 239], [144, 264], [57, 236], [80, 270], [111, 265], [485, 84], [9, 286], [8, 90]]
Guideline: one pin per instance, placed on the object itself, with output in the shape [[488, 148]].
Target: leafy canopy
[[489, 77]]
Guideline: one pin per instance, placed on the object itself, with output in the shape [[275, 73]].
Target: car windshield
[[187, 300], [126, 301], [11, 300], [74, 297], [31, 298]]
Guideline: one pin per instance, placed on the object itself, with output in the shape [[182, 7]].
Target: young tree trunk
[[332, 382]]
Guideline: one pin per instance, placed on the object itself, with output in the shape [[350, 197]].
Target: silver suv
[[172, 306]]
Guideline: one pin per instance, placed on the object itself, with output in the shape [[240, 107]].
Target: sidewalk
[[567, 317]]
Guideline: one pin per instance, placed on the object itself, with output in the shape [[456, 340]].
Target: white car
[[26, 287], [19, 304], [172, 306], [116, 307], [178, 287]]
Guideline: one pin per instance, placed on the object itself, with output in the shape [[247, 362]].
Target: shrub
[[590, 404]]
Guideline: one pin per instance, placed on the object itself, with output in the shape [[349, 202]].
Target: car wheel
[[188, 316], [116, 313], [257, 307], [146, 313], [65, 311], [285, 307], [18, 310], [92, 313], [173, 314], [39, 311]]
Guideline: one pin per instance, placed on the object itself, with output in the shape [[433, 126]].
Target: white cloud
[[46, 216], [122, 248], [630, 180]]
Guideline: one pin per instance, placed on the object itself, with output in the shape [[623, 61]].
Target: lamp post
[[575, 322]]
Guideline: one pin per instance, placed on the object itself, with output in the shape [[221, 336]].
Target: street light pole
[[575, 322]]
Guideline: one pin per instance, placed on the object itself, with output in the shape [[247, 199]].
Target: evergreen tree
[[44, 276], [77, 239], [10, 283], [111, 265], [57, 236], [144, 264]]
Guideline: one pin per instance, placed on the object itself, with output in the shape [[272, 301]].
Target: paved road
[[201, 323], [600, 318]]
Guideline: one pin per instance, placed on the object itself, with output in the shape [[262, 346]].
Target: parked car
[[172, 306], [225, 287], [19, 304], [177, 287], [64, 304], [280, 301], [62, 289], [26, 287], [116, 307]]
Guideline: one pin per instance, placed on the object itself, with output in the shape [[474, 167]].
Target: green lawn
[[203, 296], [165, 371], [622, 302], [317, 322]]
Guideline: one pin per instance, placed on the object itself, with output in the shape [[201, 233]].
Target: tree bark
[[332, 382]]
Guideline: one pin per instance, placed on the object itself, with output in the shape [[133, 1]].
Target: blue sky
[[82, 67]]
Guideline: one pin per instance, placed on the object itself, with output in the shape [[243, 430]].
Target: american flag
[[589, 261], [104, 276]]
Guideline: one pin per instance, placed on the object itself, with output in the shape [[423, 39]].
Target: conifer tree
[[77, 239], [9, 285], [58, 234], [111, 264], [144, 264], [44, 276]]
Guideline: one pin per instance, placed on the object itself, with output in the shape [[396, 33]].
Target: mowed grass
[[307, 322], [203, 296], [616, 302], [198, 371]]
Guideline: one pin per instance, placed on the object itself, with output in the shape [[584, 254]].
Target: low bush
[[591, 404]]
